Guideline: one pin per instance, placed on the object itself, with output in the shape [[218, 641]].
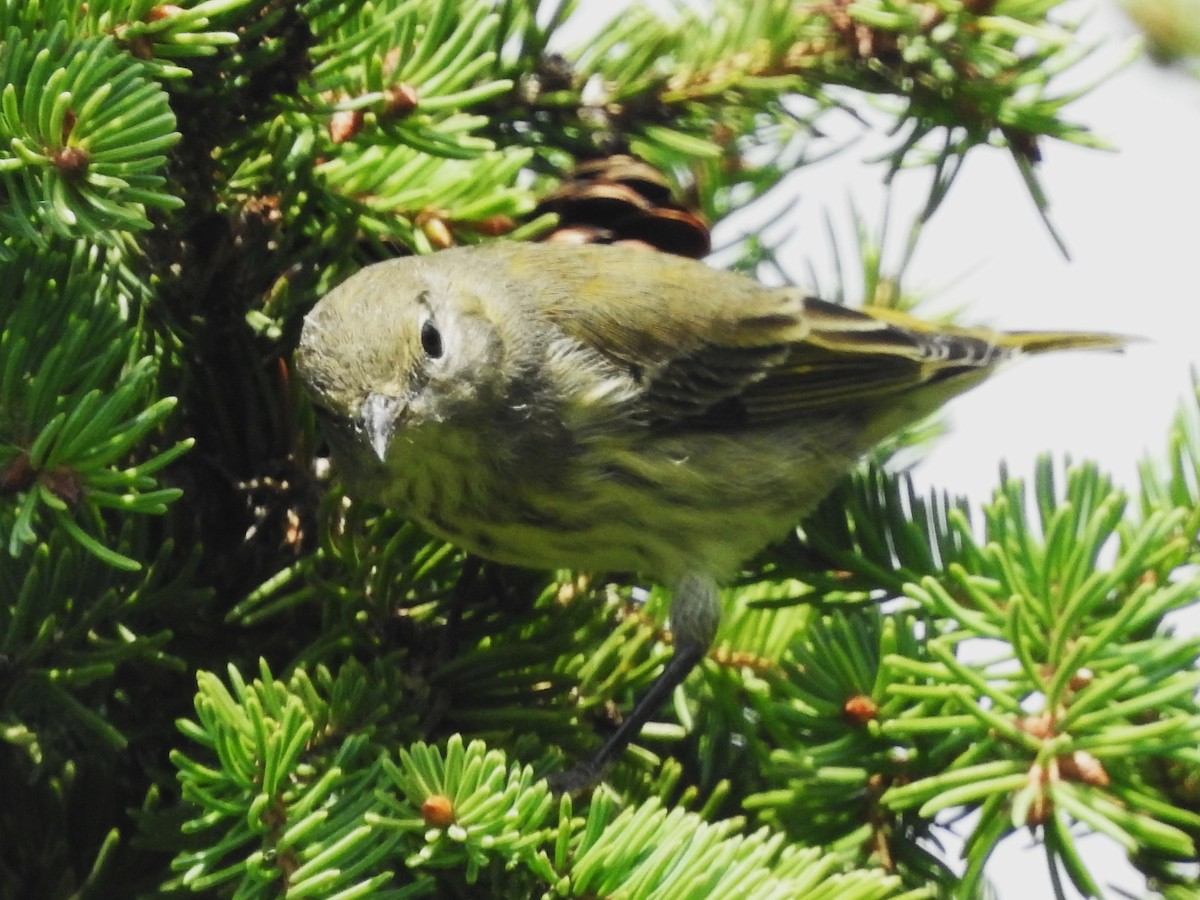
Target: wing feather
[[717, 350], [847, 361]]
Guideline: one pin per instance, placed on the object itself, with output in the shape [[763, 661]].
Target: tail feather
[[1013, 341], [1047, 341]]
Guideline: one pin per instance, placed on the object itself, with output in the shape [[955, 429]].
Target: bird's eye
[[431, 340]]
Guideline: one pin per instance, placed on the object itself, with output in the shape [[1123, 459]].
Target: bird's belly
[[663, 508]]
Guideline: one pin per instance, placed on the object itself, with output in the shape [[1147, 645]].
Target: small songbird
[[605, 408]]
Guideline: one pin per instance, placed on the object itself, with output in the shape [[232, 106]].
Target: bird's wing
[[854, 360], [715, 349]]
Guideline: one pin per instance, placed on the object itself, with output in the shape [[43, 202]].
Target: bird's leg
[[695, 612]]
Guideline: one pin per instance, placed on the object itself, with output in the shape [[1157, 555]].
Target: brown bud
[[1081, 766], [72, 163], [400, 101], [163, 11], [345, 124], [436, 230], [140, 46], [437, 811], [859, 709], [1039, 726]]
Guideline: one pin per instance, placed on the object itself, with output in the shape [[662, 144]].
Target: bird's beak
[[379, 414]]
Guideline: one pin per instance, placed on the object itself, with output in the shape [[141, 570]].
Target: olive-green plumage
[[606, 408]]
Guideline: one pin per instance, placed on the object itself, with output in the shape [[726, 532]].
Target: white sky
[[1131, 220]]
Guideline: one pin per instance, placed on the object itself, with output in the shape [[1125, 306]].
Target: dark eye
[[431, 340]]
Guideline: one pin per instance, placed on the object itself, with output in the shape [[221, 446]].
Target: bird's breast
[[662, 505]]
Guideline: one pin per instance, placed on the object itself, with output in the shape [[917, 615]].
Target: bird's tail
[[1047, 341], [1013, 341]]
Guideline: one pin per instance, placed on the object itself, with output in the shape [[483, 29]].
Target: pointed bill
[[379, 413]]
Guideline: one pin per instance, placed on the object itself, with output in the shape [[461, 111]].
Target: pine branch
[[76, 402], [1081, 679], [180, 182]]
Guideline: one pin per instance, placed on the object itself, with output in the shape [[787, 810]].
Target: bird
[[605, 408]]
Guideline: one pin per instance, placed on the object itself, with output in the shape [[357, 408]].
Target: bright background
[[1131, 221]]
